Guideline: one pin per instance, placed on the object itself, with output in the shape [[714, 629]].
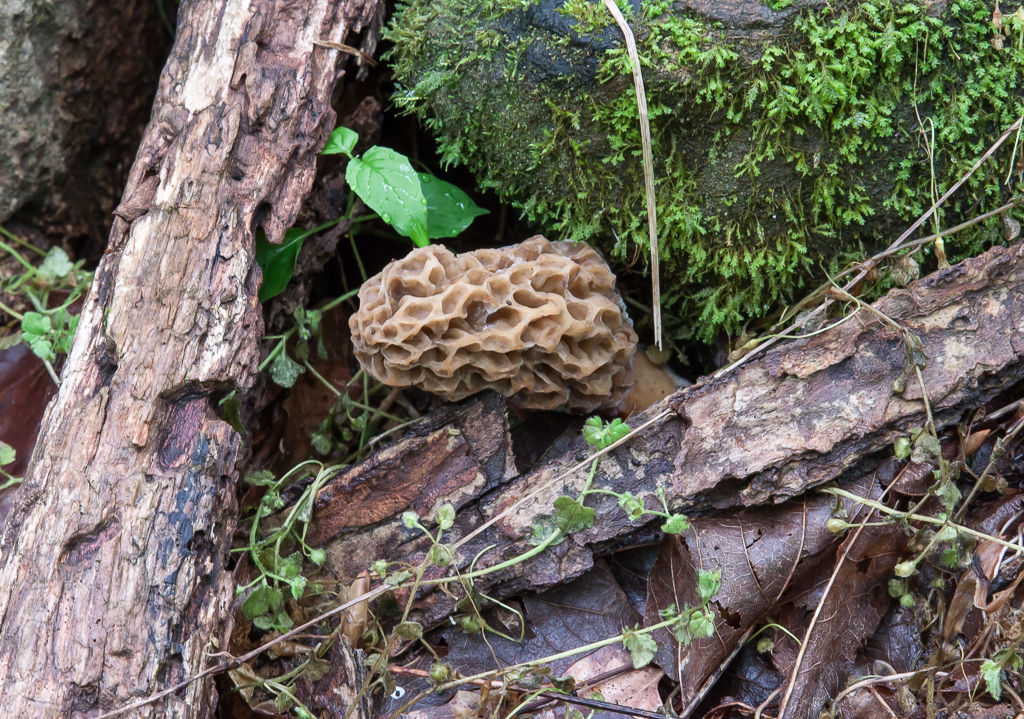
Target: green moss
[[775, 159]]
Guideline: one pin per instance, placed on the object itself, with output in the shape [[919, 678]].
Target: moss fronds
[[775, 158]]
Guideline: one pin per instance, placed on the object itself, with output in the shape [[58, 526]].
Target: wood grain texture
[[111, 581]]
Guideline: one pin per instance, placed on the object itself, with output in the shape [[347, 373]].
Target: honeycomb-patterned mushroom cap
[[540, 322]]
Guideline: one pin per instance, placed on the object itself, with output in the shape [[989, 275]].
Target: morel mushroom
[[540, 322]]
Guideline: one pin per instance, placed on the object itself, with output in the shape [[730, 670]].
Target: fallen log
[[812, 411], [112, 581]]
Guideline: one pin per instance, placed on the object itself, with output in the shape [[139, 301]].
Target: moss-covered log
[[789, 136]]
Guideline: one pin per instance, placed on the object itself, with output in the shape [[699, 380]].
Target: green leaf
[[397, 578], [230, 410], [445, 516], [341, 142], [949, 558], [36, 330], [566, 684], [298, 586], [702, 623], [541, 530], [901, 447], [470, 623], [65, 324], [321, 442], [317, 556], [633, 507], [641, 647], [290, 567], [708, 584], [7, 454], [278, 261], [571, 516], [449, 209], [260, 478], [669, 612], [56, 265], [284, 371], [441, 555], [599, 434], [409, 630], [264, 622], [35, 323], [385, 181], [675, 524], [992, 672], [681, 631], [263, 599]]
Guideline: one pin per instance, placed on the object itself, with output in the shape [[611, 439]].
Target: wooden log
[[111, 563], [806, 413]]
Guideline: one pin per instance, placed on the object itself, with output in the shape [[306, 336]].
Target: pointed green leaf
[[449, 209], [341, 142], [385, 181]]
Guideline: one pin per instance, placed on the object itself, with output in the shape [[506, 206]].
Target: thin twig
[[342, 47], [648, 161], [547, 696], [871, 681], [848, 547]]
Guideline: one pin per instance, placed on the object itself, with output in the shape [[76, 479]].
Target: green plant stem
[[12, 312], [918, 517], [286, 335], [11, 481], [555, 657], [51, 372], [545, 543], [778, 627], [276, 350], [14, 238], [29, 267]]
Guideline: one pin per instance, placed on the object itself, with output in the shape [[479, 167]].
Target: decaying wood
[[111, 581], [806, 413]]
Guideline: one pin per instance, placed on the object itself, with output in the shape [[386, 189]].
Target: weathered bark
[[111, 581], [804, 414], [76, 85]]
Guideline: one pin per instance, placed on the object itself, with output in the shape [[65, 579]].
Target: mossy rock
[[789, 137]]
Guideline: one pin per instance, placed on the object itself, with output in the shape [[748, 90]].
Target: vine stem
[[885, 509], [554, 657]]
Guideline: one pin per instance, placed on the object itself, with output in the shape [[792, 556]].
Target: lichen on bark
[[789, 137]]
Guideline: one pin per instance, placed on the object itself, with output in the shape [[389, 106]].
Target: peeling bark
[[809, 412], [111, 581]]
